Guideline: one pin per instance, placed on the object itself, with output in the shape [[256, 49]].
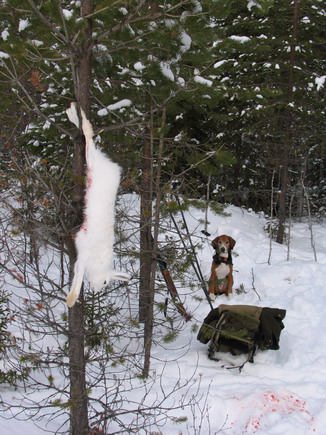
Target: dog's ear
[[214, 242], [232, 242]]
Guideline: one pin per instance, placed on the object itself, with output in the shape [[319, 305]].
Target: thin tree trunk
[[207, 202], [288, 129], [312, 238], [289, 229], [283, 193], [149, 323], [271, 220], [77, 362], [145, 233]]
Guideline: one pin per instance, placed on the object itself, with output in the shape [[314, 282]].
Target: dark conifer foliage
[[270, 66], [240, 56]]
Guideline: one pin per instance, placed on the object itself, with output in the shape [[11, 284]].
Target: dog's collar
[[219, 260]]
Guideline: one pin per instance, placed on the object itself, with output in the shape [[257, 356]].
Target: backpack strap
[[221, 334], [250, 358]]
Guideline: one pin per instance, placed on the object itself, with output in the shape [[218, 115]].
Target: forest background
[[226, 98]]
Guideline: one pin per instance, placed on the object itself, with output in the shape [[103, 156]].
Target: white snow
[[67, 13], [5, 34], [241, 39], [219, 63], [36, 42], [166, 70], [252, 3], [46, 125], [115, 106], [186, 42], [320, 82], [120, 104], [4, 55], [139, 66], [305, 20], [181, 81], [124, 11], [23, 24], [283, 391], [203, 81], [102, 112]]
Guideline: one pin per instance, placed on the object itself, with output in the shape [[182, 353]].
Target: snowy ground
[[284, 391]]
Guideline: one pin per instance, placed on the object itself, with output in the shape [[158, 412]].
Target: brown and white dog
[[221, 279]]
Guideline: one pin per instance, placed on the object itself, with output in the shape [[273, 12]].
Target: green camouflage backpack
[[241, 329]]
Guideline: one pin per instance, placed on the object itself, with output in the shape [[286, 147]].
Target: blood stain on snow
[[282, 403]]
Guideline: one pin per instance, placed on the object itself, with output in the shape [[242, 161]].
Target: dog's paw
[[212, 297]]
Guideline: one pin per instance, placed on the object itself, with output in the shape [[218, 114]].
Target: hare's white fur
[[94, 241]]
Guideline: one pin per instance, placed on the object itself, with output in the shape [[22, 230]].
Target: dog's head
[[223, 244]]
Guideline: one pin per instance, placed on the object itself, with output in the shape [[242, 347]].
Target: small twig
[[253, 283], [310, 226], [271, 220]]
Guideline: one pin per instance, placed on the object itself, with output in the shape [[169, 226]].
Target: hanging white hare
[[94, 240]]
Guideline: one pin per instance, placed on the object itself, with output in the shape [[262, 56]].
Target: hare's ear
[[215, 241], [232, 242]]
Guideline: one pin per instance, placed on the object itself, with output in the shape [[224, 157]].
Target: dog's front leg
[[230, 282]]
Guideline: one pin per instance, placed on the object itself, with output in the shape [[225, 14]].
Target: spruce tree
[[269, 62], [125, 66]]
